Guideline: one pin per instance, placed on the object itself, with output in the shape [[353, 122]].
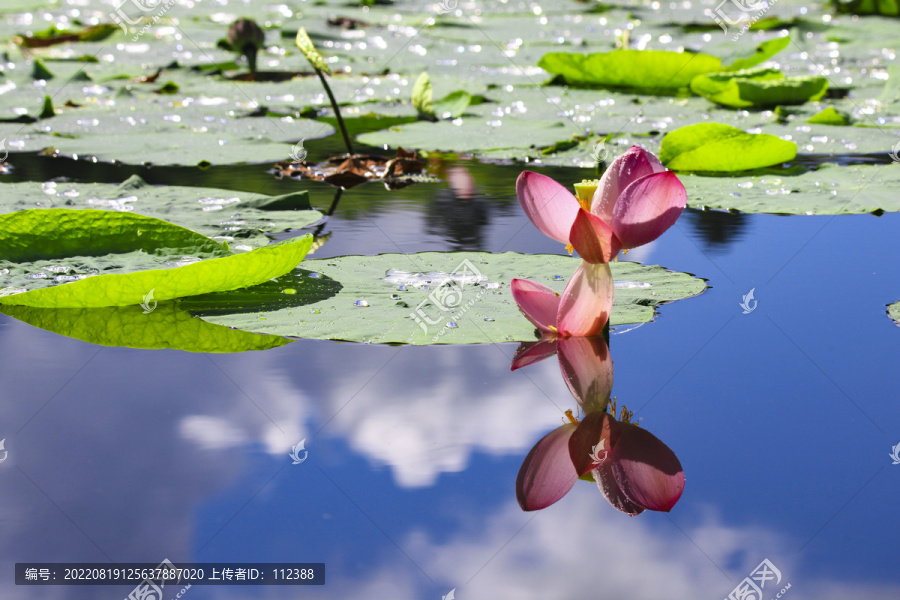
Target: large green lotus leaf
[[829, 190], [383, 297], [240, 218], [894, 312], [166, 326], [890, 8], [836, 140], [722, 148], [758, 87], [145, 128], [479, 136], [764, 52], [640, 69], [94, 258], [172, 148]]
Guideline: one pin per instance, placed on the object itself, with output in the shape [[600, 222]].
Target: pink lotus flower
[[634, 470], [582, 309], [634, 202]]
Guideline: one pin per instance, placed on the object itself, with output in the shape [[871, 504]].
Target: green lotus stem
[[337, 111]]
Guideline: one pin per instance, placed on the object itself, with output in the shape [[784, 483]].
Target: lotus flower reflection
[[634, 202], [634, 470], [582, 310]]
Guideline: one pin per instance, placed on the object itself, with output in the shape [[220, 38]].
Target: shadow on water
[[718, 229]]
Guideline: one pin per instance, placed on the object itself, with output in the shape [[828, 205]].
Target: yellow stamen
[[570, 248], [584, 191]]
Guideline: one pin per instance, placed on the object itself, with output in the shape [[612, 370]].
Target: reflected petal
[[590, 444], [587, 369], [547, 473], [624, 170], [537, 302], [647, 208], [611, 491], [549, 205], [593, 238], [646, 470], [586, 302], [529, 353]]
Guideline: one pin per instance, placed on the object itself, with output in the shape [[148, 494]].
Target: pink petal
[[624, 170], [537, 302], [547, 473], [593, 239], [549, 205], [597, 428], [646, 470], [587, 369], [608, 485], [529, 353], [647, 208], [586, 302]]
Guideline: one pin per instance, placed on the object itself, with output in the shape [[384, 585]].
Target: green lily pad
[[829, 116], [57, 258], [640, 69], [400, 298], [166, 326], [888, 8], [758, 87], [829, 190], [239, 218], [893, 312], [722, 148], [764, 52], [488, 135], [660, 71]]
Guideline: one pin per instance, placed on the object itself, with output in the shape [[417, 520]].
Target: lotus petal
[[586, 302], [647, 208], [537, 302], [590, 444], [547, 473], [593, 239], [645, 469], [529, 353], [624, 170], [549, 205], [587, 369]]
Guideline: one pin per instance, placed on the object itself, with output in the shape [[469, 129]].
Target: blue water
[[782, 418]]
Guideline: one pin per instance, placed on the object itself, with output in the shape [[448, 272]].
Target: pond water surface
[[783, 419]]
